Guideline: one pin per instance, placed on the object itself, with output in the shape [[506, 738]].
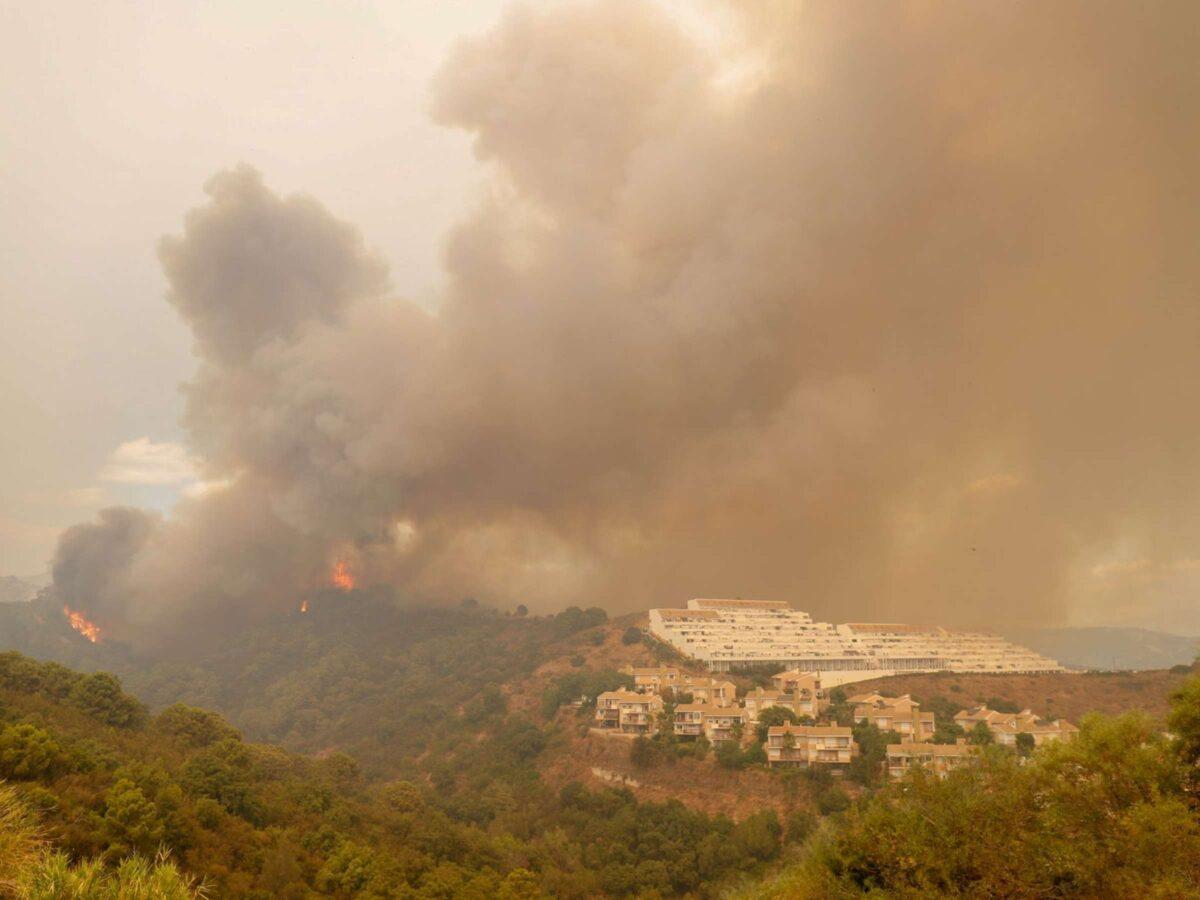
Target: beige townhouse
[[801, 702], [809, 745], [713, 691], [797, 680], [900, 714], [628, 711], [653, 680], [941, 759], [1006, 727], [717, 723]]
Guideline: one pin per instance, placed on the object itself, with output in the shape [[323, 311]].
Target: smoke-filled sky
[[886, 310]]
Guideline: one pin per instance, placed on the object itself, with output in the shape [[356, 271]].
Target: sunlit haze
[[887, 312]]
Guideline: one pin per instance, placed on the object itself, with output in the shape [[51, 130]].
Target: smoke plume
[[886, 310]]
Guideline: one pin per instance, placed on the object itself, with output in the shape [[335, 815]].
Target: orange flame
[[342, 579], [79, 622], [303, 606]]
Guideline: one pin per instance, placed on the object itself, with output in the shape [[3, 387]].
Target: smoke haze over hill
[[885, 310]]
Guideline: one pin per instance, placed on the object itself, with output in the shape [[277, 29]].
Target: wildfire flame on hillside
[[342, 579], [80, 623], [303, 606]]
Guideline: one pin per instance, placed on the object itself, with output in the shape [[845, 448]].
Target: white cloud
[[142, 461]]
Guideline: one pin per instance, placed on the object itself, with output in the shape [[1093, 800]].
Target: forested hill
[[356, 673], [105, 779], [437, 753], [420, 775]]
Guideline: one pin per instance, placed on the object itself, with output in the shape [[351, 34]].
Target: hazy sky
[[884, 309], [112, 117]]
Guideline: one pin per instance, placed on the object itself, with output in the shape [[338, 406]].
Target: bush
[[195, 727], [587, 683], [644, 753], [131, 821], [758, 836], [573, 619], [632, 635], [832, 800], [28, 753], [100, 696], [799, 825], [867, 767], [981, 735], [772, 716], [136, 878], [1102, 816]]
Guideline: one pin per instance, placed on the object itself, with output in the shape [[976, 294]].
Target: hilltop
[[1109, 648], [16, 590], [1055, 694]]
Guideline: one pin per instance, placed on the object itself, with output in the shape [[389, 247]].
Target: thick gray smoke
[[887, 310]]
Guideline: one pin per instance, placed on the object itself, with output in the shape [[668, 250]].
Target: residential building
[[715, 691], [969, 718], [725, 634], [901, 714], [801, 703], [940, 759], [809, 745], [717, 723], [653, 680], [795, 680], [689, 719], [1005, 727], [629, 711]]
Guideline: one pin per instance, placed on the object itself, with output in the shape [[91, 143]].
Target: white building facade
[[729, 634]]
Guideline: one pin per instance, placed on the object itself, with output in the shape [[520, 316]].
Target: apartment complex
[[727, 634], [809, 745], [702, 689], [941, 759], [1005, 727], [708, 707], [900, 714]]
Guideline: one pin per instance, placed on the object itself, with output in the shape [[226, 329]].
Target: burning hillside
[[80, 623], [342, 578]]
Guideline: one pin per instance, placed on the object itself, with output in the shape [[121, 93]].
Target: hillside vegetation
[[449, 802], [1067, 695], [1110, 815], [445, 753]]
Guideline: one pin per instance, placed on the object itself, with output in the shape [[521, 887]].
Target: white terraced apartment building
[[728, 634]]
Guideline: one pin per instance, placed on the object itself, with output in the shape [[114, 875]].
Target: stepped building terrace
[[743, 634]]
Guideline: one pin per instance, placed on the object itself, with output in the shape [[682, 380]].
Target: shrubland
[[417, 779], [1113, 814], [369, 750]]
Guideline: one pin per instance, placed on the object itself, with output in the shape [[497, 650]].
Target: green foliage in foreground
[[1111, 815], [474, 821], [32, 872]]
